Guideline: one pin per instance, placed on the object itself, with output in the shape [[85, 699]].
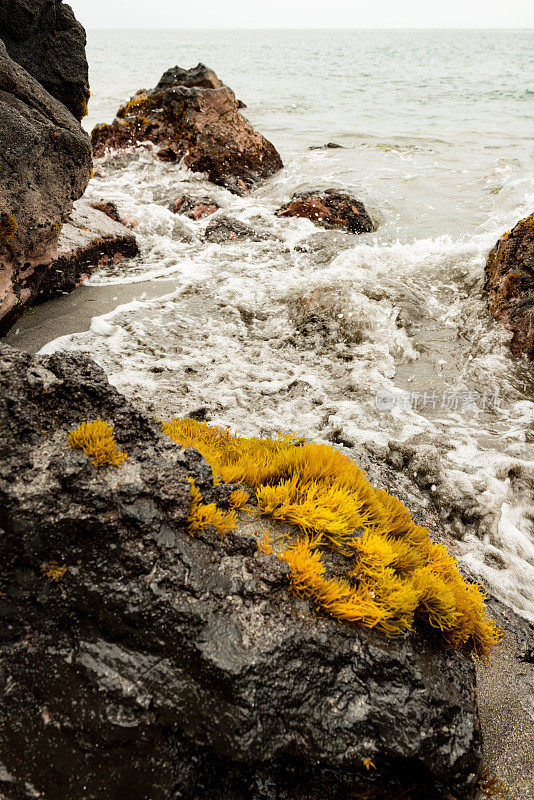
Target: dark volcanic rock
[[44, 37], [193, 115], [331, 209], [199, 77], [510, 285], [45, 164], [162, 665], [194, 207], [226, 229]]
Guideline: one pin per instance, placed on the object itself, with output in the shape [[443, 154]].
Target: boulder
[[330, 209], [90, 239], [192, 115], [44, 37], [45, 165], [510, 285], [194, 207], [137, 659]]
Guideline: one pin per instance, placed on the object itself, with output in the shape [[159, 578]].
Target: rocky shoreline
[[135, 657]]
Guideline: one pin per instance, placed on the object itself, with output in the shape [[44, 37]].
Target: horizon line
[[310, 28]]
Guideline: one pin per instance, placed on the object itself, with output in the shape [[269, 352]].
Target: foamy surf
[[304, 330]]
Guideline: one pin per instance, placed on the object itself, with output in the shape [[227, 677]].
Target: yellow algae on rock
[[238, 498], [53, 571], [97, 441], [203, 514], [8, 227], [392, 575]]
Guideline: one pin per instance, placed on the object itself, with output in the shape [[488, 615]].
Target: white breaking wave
[[300, 331]]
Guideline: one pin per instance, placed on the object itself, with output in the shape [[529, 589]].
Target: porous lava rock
[[510, 285], [45, 164], [330, 209], [194, 116], [138, 660], [194, 207], [44, 37]]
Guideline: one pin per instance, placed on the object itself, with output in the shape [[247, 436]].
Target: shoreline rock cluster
[[47, 163]]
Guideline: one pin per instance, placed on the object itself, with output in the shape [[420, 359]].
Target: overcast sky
[[176, 14]]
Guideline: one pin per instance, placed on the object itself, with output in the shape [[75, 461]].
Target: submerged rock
[[192, 115], [194, 207], [330, 209], [136, 658], [49, 163], [227, 229], [167, 154], [327, 146], [510, 285], [44, 37]]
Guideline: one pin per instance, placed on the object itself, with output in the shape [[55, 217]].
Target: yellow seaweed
[[395, 574], [97, 441], [203, 514]]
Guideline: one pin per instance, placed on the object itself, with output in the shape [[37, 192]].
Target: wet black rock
[[161, 665], [44, 37]]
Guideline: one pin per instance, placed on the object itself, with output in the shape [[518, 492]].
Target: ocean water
[[371, 340]]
